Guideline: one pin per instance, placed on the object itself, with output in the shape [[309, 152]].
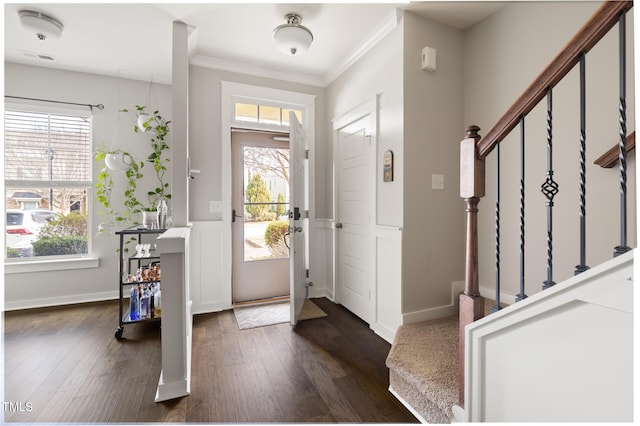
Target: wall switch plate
[[437, 182], [215, 206]]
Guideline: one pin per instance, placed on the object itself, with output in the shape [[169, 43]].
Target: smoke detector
[[43, 26]]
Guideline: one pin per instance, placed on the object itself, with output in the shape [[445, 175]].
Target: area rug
[[265, 314]]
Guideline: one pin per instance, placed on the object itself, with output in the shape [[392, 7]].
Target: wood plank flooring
[[66, 363]]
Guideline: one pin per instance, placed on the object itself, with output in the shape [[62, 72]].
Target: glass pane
[[40, 146], [269, 115], [266, 193], [285, 115], [56, 226], [246, 112]]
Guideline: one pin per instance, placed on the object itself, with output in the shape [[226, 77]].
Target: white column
[[176, 320], [180, 125]]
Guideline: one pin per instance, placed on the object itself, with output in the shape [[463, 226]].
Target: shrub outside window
[[47, 181]]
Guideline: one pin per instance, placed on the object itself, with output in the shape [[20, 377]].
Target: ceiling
[[134, 40]]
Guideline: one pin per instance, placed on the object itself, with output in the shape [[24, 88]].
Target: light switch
[[215, 206], [437, 181]]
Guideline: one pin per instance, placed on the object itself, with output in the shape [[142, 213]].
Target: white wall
[[503, 54], [55, 287]]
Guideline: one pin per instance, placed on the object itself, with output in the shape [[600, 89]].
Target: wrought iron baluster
[[583, 175], [622, 152], [521, 295], [496, 307], [549, 188]]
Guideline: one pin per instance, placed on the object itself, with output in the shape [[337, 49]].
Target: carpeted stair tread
[[425, 357]]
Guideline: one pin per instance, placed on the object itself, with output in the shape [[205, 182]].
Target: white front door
[[298, 217], [354, 217], [260, 258]]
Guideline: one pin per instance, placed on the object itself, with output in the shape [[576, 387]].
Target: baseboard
[[60, 301], [439, 311], [408, 406], [318, 292], [385, 332], [490, 293]]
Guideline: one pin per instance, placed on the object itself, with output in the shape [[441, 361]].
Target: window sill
[[51, 265]]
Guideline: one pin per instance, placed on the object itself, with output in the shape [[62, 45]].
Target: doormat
[[273, 313], [261, 315]]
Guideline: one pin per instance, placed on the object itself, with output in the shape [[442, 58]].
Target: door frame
[[367, 108], [231, 93]]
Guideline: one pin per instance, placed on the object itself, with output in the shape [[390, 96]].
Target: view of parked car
[[22, 230]]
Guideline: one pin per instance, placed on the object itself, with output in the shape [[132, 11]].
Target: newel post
[[471, 190]]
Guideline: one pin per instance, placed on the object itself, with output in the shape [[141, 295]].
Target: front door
[[299, 228], [353, 218], [260, 228]]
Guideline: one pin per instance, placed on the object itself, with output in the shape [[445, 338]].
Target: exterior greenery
[[274, 237], [257, 192], [63, 235]]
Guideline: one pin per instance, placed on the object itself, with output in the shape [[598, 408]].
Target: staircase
[[534, 361]]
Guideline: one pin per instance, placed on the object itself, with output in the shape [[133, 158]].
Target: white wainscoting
[[321, 259], [388, 285], [209, 292]]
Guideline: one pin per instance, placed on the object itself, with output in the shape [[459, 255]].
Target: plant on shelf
[[157, 127]]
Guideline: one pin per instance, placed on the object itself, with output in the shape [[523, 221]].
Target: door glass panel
[[266, 203]]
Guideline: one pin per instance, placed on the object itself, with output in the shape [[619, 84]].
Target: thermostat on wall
[[429, 59]]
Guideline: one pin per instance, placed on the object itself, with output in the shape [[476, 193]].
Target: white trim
[[383, 29], [438, 312], [388, 24], [60, 301], [230, 92], [258, 71], [408, 406], [20, 267]]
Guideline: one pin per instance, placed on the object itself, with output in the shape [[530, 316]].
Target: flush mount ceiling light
[[42, 25], [292, 38]]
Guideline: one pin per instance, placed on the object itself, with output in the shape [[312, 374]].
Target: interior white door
[[299, 222], [353, 218]]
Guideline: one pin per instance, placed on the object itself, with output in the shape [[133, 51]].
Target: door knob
[[339, 225]]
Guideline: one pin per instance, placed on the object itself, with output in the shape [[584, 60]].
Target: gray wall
[[114, 94]]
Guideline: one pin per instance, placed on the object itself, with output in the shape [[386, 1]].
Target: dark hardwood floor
[[64, 365]]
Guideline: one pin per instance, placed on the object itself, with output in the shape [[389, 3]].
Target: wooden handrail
[[598, 25], [610, 158]]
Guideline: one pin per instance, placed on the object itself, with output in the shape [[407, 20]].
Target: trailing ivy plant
[[158, 129], [104, 189]]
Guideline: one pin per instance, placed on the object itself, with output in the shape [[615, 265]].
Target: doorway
[[260, 220]]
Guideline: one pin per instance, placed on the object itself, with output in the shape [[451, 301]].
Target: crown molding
[[385, 27], [390, 22], [256, 70]]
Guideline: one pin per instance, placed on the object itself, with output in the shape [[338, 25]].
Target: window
[[264, 114], [47, 181]]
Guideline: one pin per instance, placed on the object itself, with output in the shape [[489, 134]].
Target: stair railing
[[474, 149]]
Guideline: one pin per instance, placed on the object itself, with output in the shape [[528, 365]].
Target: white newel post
[[176, 320]]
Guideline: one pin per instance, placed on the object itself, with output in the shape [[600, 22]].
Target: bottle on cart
[[152, 306], [157, 301], [144, 304], [134, 306]]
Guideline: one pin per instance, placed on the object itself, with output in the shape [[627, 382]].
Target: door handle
[[339, 225], [297, 229], [234, 215]]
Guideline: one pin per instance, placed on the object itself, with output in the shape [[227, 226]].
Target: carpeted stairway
[[423, 366]]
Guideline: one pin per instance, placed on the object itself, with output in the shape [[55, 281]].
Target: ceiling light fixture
[[292, 38], [43, 25]]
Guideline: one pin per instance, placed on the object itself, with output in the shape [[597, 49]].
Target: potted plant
[[157, 127]]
